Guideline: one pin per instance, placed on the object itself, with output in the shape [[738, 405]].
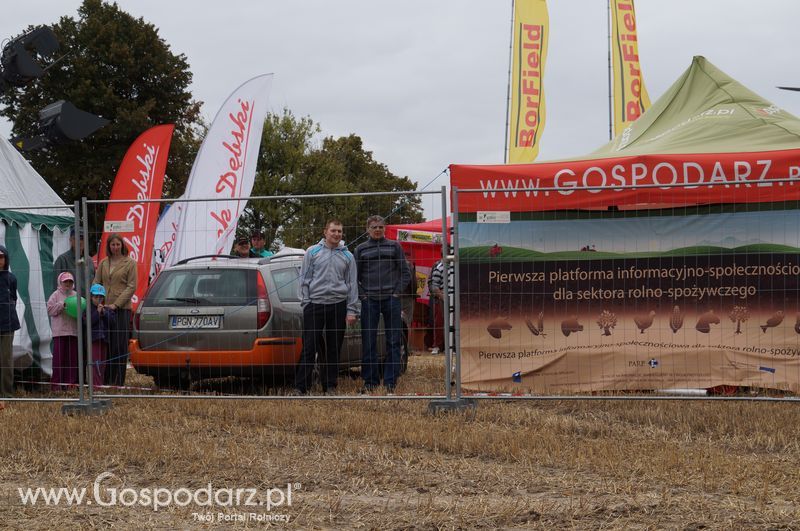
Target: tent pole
[[507, 132]]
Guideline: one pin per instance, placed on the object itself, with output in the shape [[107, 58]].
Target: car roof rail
[[187, 260], [268, 259]]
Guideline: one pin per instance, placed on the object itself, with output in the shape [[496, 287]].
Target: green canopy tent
[[707, 128], [707, 111], [34, 237]]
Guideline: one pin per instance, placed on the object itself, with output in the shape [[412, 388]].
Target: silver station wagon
[[211, 317]]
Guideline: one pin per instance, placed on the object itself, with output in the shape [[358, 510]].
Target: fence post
[[448, 354], [457, 296], [90, 406], [78, 294], [452, 319]]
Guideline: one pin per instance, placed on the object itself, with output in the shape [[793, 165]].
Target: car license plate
[[196, 321]]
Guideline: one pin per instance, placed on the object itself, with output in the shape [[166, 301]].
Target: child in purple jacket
[[102, 320]]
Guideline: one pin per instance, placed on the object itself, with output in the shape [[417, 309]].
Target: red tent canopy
[[422, 240], [433, 225]]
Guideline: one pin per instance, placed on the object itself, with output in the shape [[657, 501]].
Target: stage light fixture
[[59, 123], [22, 58]]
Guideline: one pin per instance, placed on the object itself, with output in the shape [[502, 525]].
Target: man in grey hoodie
[[329, 297]]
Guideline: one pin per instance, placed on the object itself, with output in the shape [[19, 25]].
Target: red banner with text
[[676, 179], [140, 178]]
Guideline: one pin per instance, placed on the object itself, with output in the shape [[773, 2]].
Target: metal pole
[[450, 403], [448, 365], [78, 285], [507, 132], [92, 407], [253, 198], [457, 278], [87, 290], [610, 95]]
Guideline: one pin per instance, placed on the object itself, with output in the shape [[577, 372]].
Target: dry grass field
[[368, 464]]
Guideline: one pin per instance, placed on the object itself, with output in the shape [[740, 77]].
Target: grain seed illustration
[[571, 325], [738, 315], [775, 320], [538, 328], [607, 321], [705, 321], [497, 326], [676, 319], [643, 322]]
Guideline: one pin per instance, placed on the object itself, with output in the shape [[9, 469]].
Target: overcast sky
[[424, 83]]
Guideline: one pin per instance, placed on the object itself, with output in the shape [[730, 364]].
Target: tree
[[739, 315], [291, 163], [117, 67], [607, 321]]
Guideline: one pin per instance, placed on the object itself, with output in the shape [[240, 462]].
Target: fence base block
[[97, 407], [436, 407]]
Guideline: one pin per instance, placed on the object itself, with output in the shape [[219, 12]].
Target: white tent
[[34, 238]]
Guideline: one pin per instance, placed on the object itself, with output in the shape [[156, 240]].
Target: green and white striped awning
[[32, 250]]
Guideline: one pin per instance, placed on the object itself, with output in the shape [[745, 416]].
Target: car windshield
[[204, 287]]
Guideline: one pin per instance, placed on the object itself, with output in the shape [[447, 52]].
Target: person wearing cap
[[103, 322], [241, 249], [258, 242], [117, 273], [9, 323], [65, 263], [65, 335]]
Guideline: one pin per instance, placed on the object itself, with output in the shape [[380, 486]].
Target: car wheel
[[173, 379]]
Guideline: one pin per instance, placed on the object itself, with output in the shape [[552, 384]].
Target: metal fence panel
[[230, 328], [664, 302]]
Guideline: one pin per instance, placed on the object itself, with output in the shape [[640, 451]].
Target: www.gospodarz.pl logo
[[107, 491]]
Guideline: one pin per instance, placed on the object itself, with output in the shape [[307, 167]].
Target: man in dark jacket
[[9, 323], [382, 278], [66, 263]]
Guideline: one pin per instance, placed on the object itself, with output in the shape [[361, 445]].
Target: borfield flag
[[140, 178], [528, 54], [630, 95], [225, 168]]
